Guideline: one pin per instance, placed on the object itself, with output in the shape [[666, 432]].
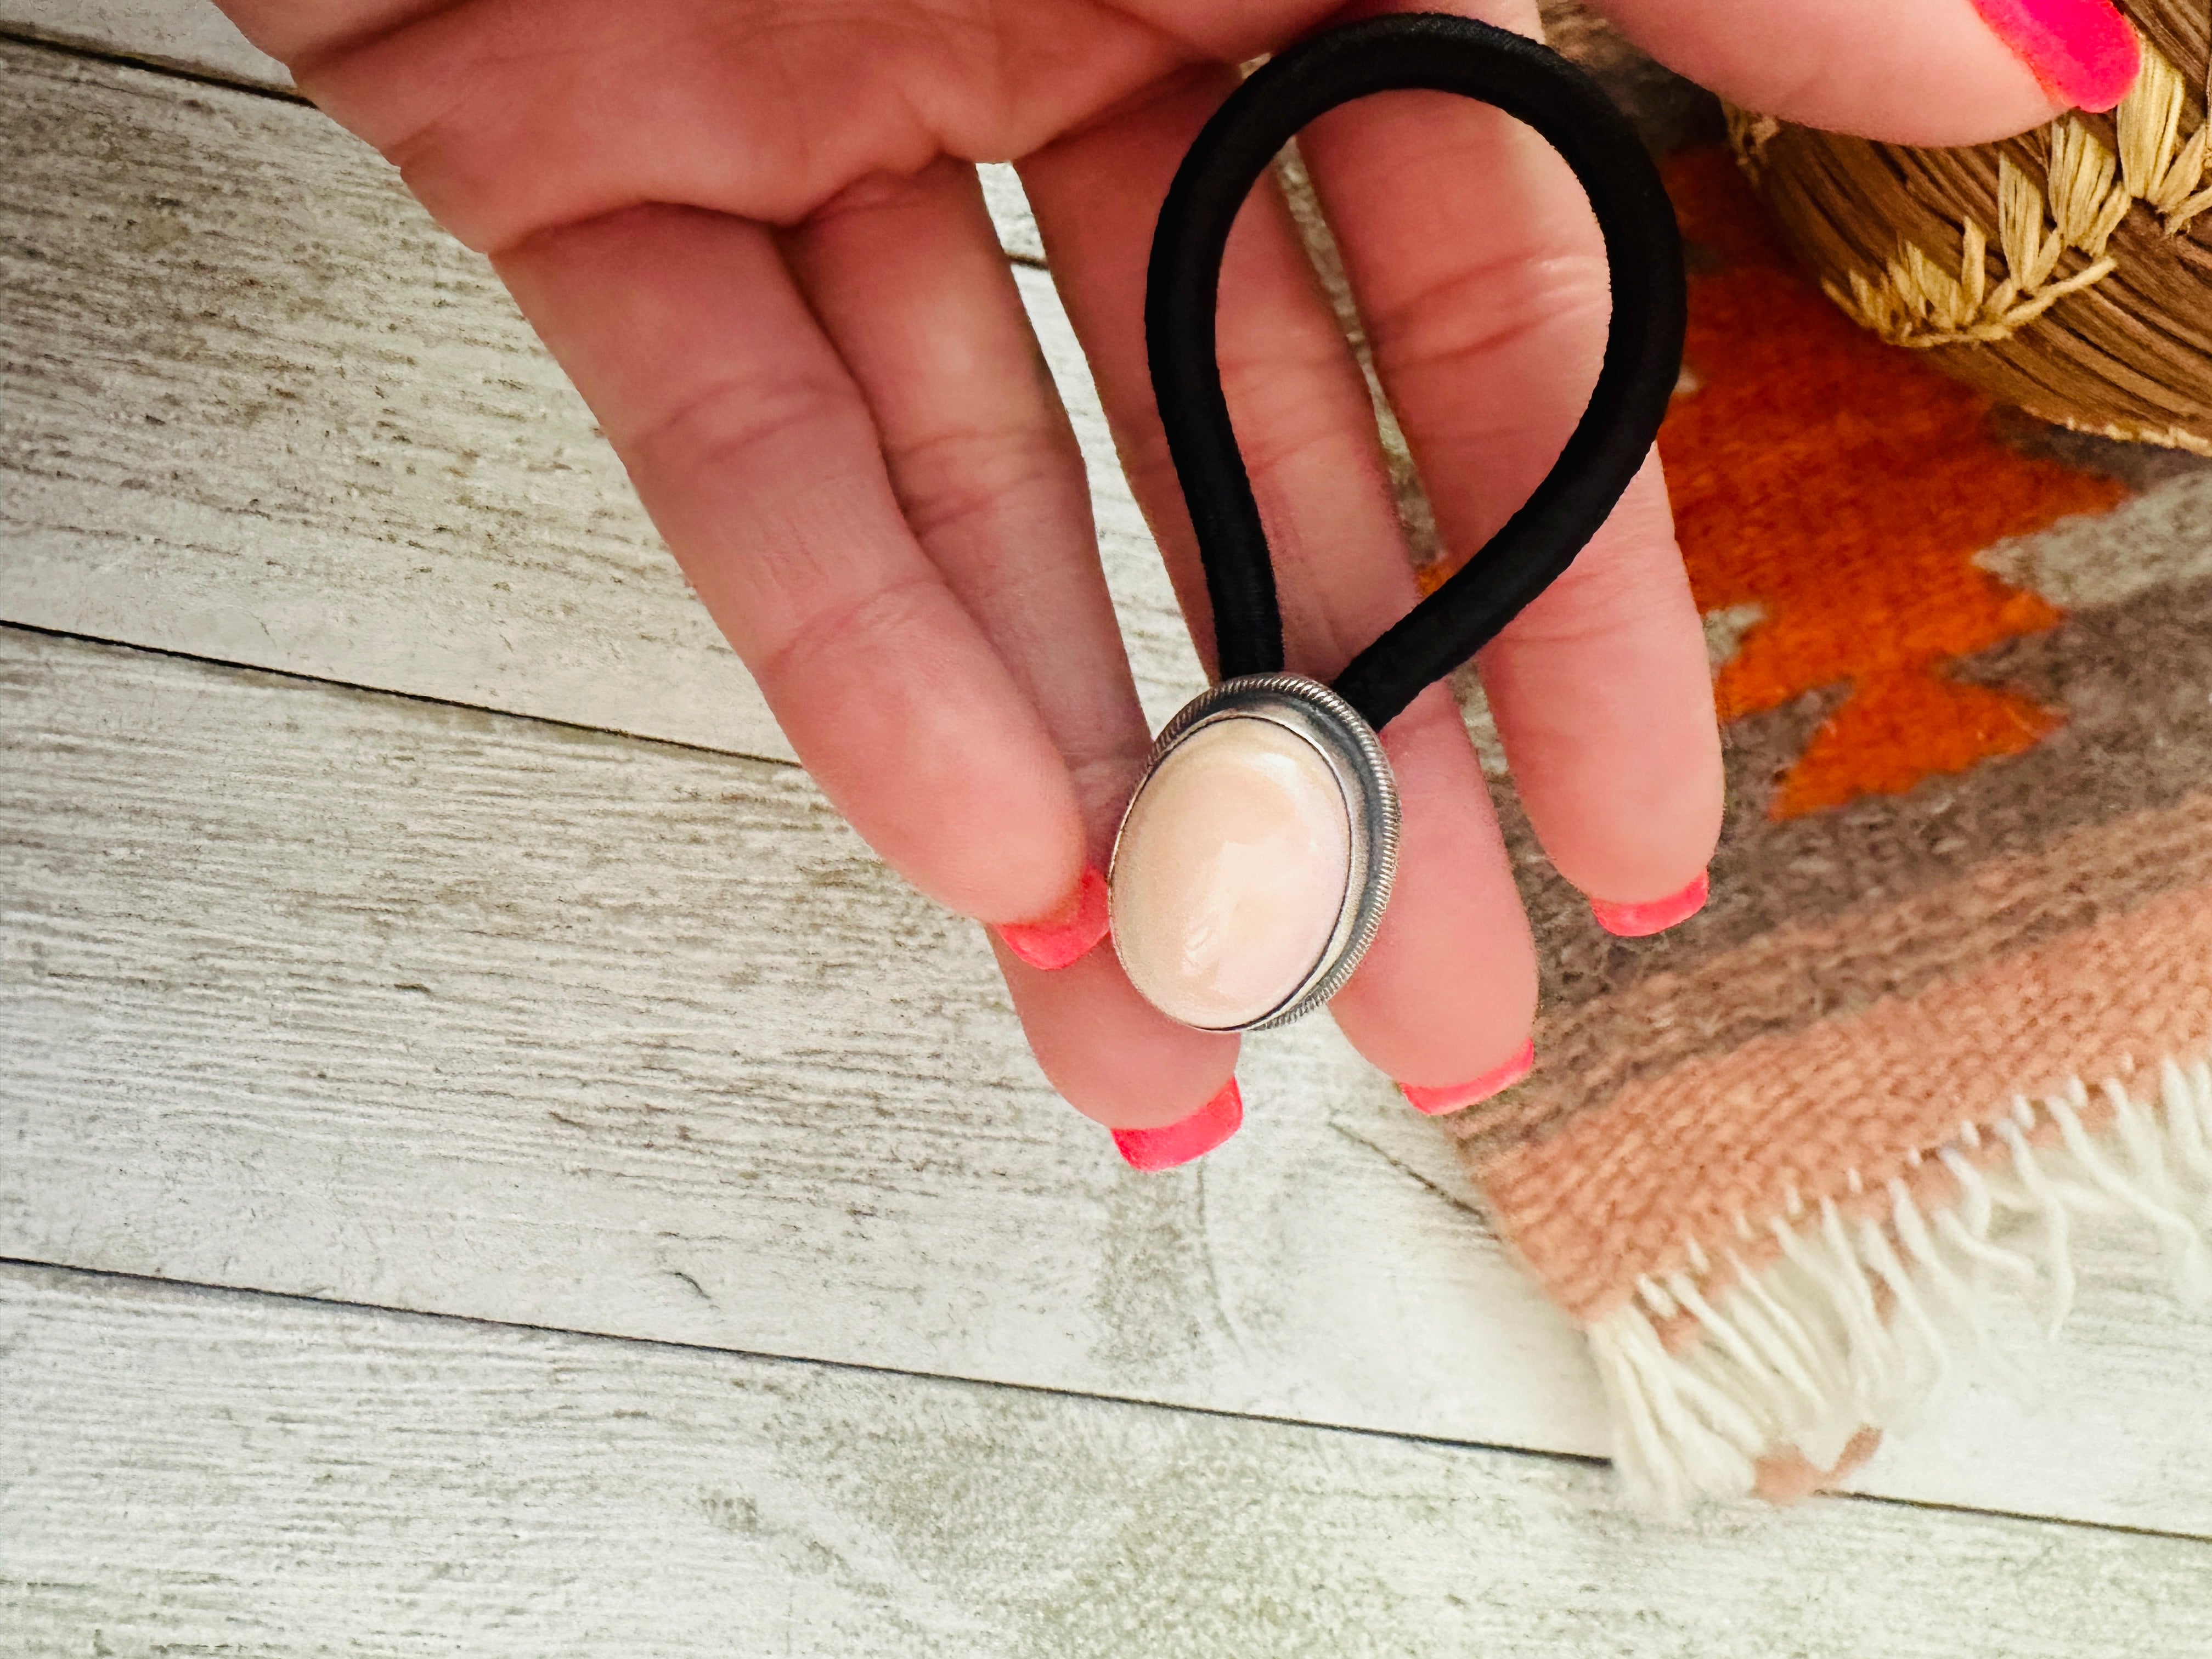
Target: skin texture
[[751, 233]]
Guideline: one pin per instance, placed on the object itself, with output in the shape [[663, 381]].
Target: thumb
[[1910, 71]]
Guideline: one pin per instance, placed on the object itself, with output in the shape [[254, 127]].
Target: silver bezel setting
[[1354, 756]]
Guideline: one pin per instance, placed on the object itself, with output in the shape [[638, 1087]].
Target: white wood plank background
[[327, 991], [315, 991], [198, 1472]]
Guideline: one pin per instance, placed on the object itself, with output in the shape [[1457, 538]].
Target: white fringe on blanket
[[1859, 1321]]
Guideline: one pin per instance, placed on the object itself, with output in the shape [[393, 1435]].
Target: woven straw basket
[[2067, 270]]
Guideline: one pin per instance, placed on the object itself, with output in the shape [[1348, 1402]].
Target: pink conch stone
[[1230, 874]]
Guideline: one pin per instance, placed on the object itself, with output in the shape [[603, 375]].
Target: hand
[[751, 232]]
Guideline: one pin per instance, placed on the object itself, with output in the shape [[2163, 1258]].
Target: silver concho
[[1224, 893]]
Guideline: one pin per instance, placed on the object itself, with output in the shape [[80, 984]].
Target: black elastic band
[[1643, 349]]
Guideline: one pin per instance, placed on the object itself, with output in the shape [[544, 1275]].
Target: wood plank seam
[[200, 1471], [98, 52], [855, 1368], [863, 1368], [428, 700]]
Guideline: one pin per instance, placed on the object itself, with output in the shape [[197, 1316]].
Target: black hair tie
[[1234, 928]]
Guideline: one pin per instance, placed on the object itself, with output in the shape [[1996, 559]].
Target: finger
[[1447, 990], [907, 280], [755, 453], [1604, 689], [1444, 999], [1912, 71], [1480, 277]]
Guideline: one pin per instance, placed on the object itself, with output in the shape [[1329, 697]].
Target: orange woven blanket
[[1954, 986]]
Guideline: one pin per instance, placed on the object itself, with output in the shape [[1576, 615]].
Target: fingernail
[[1458, 1097], [1656, 916], [1191, 1137], [1057, 940], [2082, 51]]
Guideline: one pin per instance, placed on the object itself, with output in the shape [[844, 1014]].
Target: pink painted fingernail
[[1458, 1097], [2082, 51], [1654, 916], [1191, 1137], [1058, 940]]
